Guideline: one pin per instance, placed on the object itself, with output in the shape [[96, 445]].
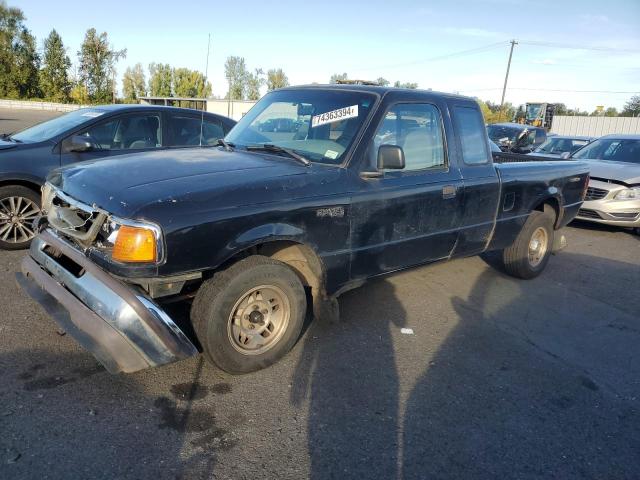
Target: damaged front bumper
[[124, 329]]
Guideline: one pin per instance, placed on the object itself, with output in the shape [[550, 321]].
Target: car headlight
[[48, 192], [131, 242], [628, 194]]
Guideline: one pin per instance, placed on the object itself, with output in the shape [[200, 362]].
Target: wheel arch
[[551, 203], [28, 183]]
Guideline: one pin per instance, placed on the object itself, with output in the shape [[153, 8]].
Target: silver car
[[613, 196]]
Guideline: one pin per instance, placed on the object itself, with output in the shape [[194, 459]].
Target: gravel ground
[[501, 378]]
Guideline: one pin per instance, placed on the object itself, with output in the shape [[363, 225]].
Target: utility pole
[[506, 77]]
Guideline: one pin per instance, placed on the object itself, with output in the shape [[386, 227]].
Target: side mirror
[[390, 157], [79, 143], [565, 155]]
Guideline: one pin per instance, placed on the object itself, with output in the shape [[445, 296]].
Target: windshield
[[49, 129], [318, 124], [498, 132], [561, 145], [533, 111], [616, 149]]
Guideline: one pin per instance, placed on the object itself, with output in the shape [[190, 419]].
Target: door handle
[[448, 191]]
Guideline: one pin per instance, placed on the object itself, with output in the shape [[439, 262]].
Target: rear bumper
[[121, 327]]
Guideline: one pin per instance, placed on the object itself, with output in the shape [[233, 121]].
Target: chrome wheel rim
[[16, 218], [538, 246], [258, 320]]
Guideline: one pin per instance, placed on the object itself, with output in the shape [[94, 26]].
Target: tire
[[18, 208], [227, 322], [520, 260]]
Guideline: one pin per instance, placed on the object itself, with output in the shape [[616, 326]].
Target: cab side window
[[128, 132], [417, 128], [472, 133]]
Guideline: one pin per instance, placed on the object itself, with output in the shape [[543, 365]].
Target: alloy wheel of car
[[16, 217], [538, 246], [258, 319]]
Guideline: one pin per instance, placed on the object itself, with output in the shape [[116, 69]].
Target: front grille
[[586, 213], [595, 193], [625, 215]]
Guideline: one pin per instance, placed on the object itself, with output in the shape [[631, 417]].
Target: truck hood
[[625, 172], [207, 178]]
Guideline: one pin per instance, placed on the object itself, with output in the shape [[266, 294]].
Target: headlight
[[131, 242], [48, 193], [628, 194]]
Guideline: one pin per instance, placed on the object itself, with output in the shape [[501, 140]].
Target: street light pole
[[506, 77]]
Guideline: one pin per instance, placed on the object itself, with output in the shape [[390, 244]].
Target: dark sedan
[[516, 138], [27, 157]]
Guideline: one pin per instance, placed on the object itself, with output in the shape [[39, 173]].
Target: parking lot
[[501, 378]]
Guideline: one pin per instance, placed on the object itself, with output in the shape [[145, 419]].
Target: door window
[[472, 135], [128, 132], [417, 128], [185, 131]]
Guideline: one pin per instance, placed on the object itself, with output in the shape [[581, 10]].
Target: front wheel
[[19, 207], [250, 315], [529, 254]]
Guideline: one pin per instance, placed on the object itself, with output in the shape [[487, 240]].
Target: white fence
[[594, 126], [34, 105]]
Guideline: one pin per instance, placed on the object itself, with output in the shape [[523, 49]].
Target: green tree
[[235, 71], [276, 79], [255, 81], [561, 109], [611, 112], [160, 80], [54, 76], [98, 60], [190, 84], [632, 107], [383, 82], [134, 84], [409, 85], [338, 77], [19, 60]]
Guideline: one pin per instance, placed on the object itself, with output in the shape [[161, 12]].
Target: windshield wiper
[[227, 145], [270, 147]]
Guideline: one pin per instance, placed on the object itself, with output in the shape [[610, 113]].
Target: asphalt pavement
[[14, 120], [497, 378]]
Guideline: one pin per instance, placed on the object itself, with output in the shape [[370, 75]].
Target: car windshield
[[318, 124], [51, 128], [498, 132], [616, 149], [560, 145]]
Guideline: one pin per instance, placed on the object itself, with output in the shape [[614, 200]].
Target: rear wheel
[[529, 254], [19, 207], [250, 315]]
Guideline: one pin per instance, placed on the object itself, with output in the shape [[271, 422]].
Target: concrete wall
[[33, 105], [235, 109], [594, 126]]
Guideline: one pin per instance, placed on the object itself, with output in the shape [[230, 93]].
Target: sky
[[582, 53]]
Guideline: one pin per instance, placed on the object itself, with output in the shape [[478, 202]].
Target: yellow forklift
[[539, 114]]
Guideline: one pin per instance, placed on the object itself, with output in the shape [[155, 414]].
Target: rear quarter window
[[472, 133]]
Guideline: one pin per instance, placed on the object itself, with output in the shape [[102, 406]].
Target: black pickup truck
[[372, 180]]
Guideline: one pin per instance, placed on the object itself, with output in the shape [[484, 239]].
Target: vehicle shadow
[[536, 380], [64, 416], [347, 377]]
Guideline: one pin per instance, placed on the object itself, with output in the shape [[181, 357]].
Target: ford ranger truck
[[253, 234]]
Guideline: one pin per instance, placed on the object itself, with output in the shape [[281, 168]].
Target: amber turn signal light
[[135, 245]]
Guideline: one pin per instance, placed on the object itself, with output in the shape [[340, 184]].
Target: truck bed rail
[[509, 157]]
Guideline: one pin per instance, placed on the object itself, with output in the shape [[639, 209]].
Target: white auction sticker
[[334, 116], [332, 154]]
